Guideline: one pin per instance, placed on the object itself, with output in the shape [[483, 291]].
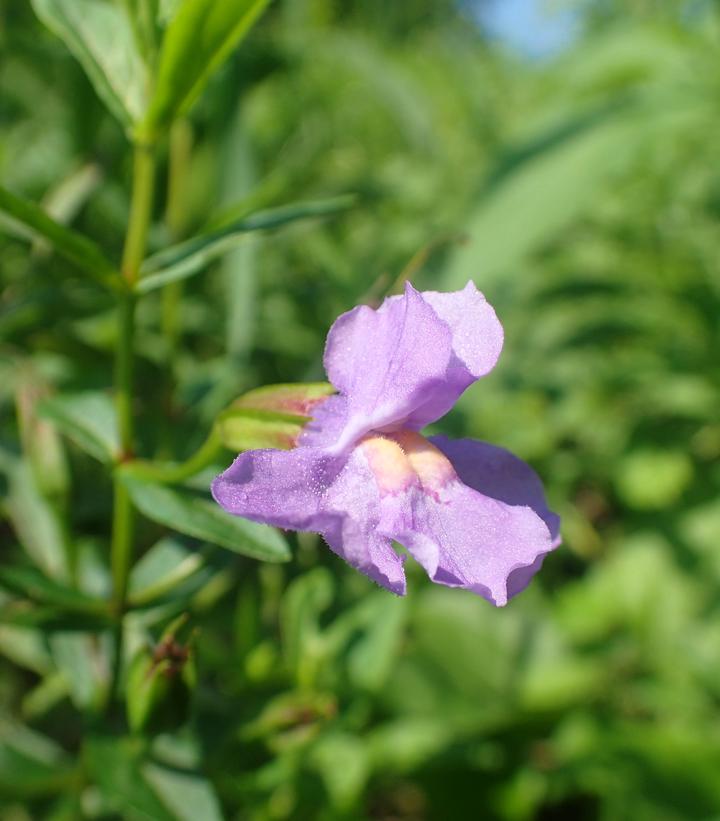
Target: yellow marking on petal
[[401, 459], [429, 463], [390, 466]]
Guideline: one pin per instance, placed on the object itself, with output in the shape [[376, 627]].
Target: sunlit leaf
[[304, 645], [187, 793], [85, 662], [89, 419], [98, 33], [166, 566], [34, 519], [197, 515], [527, 200], [201, 35], [341, 760]]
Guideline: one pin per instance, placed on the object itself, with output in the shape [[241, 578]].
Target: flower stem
[[121, 547], [176, 472]]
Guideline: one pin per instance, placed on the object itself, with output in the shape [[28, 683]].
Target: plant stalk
[[121, 548]]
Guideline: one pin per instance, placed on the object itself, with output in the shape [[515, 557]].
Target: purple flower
[[472, 514]]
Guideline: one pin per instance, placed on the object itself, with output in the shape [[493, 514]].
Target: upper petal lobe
[[405, 364]]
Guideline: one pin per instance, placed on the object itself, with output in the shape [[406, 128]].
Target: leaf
[[201, 35], [33, 584], [33, 519], [89, 419], [114, 764], [304, 645], [192, 256], [31, 764], [66, 199], [164, 787], [44, 696], [25, 648], [407, 743], [371, 659], [99, 34], [529, 202], [161, 570], [196, 515], [84, 660], [187, 793], [342, 762], [653, 479], [75, 247], [49, 619]]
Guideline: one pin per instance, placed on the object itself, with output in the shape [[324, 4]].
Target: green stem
[[121, 547], [175, 472], [140, 212], [176, 213]]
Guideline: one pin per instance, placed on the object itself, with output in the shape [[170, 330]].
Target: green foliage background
[[582, 195]]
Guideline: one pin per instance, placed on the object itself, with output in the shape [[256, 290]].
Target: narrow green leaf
[[75, 247], [64, 200], [341, 761], [303, 642], [529, 201], [31, 583], [25, 648], [192, 256], [99, 34], [167, 9], [114, 764], [143, 18], [371, 659], [188, 794], [49, 619], [31, 764], [45, 695], [196, 515], [34, 520], [85, 661], [89, 419], [166, 566], [200, 37]]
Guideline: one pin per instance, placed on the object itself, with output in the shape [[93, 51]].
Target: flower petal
[[305, 489], [477, 340], [497, 473], [277, 487], [385, 361], [329, 419], [352, 514], [465, 539], [406, 363]]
